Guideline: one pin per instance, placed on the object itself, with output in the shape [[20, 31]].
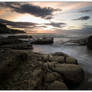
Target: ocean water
[[81, 53]]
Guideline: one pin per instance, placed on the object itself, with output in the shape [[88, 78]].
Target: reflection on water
[[81, 53]]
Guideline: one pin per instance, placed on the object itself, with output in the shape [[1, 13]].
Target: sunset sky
[[48, 17]]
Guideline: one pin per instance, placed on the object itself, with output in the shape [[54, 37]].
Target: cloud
[[58, 25], [85, 11], [46, 12], [18, 24], [83, 18], [84, 32]]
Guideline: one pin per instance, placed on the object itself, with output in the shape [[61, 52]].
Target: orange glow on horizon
[[41, 31]]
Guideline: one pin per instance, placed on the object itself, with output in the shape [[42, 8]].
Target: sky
[[48, 17]]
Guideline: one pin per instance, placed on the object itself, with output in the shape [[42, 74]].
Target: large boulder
[[72, 74], [57, 85]]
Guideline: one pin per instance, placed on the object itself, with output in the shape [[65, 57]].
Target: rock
[[52, 76], [20, 46], [59, 54], [51, 58], [10, 60], [57, 85], [71, 60], [14, 43], [72, 74], [58, 59], [20, 36], [89, 42], [22, 69], [45, 40], [6, 41], [37, 72]]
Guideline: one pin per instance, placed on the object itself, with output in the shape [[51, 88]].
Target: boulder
[[57, 85], [71, 60], [52, 58], [72, 74]]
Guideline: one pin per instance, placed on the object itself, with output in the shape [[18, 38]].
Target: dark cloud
[[46, 12], [58, 25], [18, 24], [85, 11], [83, 18]]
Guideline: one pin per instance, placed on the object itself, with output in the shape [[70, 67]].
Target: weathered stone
[[57, 85], [52, 76], [10, 60], [71, 60], [73, 74], [59, 54], [58, 59]]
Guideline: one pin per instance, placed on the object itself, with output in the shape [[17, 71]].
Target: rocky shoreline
[[23, 69]]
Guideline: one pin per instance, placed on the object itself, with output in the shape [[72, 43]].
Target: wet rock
[[57, 85], [73, 74], [71, 60], [44, 40]]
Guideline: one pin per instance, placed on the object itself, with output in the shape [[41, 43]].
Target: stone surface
[[52, 76], [57, 85], [73, 74], [71, 60]]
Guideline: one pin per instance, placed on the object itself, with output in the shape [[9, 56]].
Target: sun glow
[[30, 18], [45, 31]]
